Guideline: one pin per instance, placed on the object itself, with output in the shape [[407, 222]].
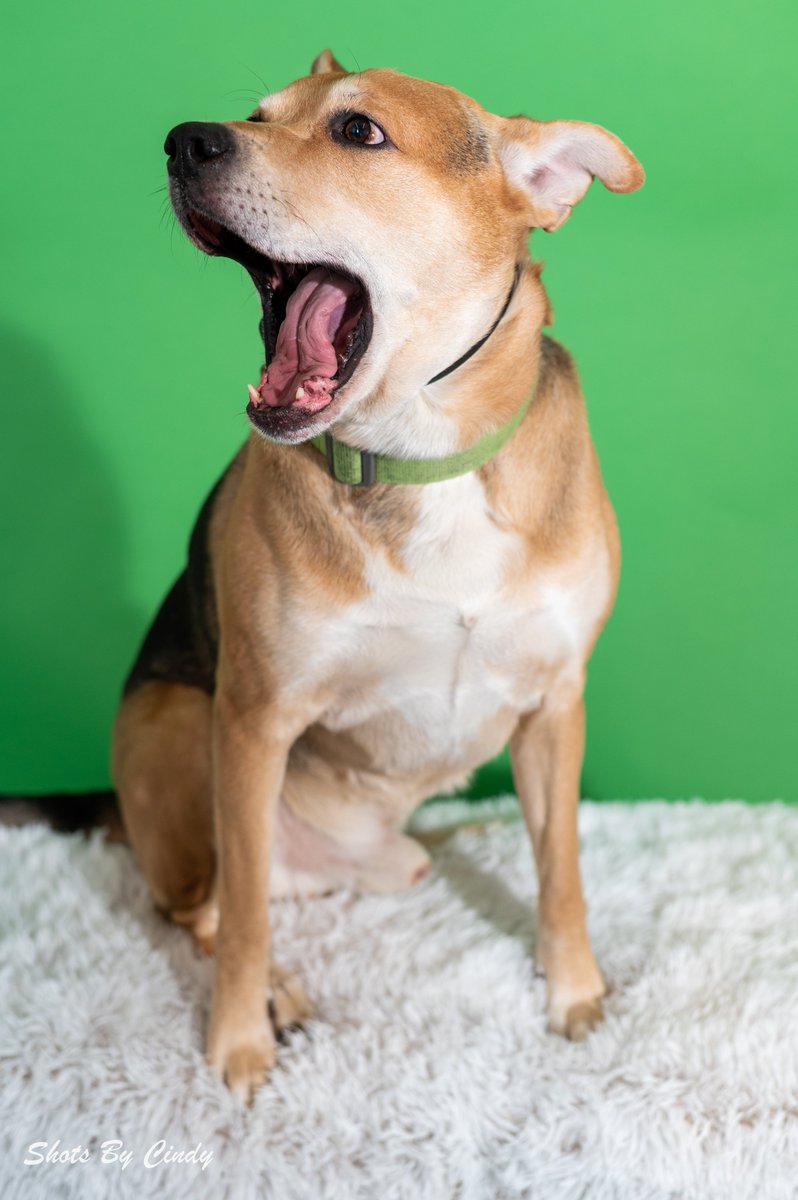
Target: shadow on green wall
[[65, 611]]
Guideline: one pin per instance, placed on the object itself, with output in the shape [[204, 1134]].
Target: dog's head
[[380, 218]]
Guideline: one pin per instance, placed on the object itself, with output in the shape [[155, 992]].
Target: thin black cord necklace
[[477, 345]]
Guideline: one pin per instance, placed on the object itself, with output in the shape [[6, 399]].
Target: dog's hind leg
[[333, 843], [162, 774]]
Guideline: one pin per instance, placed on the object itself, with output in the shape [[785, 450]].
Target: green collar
[[360, 467]]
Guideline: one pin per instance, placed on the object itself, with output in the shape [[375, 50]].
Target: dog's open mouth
[[316, 327]]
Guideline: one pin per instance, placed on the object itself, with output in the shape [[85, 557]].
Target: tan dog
[[334, 653]]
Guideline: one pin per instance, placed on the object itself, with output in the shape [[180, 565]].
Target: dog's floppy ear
[[326, 62], [554, 162]]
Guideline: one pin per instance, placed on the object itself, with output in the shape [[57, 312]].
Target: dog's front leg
[[546, 750], [250, 749]]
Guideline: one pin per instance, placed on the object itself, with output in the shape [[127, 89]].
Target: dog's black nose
[[194, 144]]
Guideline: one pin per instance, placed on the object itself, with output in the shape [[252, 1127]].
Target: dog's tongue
[[304, 364]]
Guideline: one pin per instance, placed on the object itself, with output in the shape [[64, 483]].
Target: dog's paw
[[241, 1058], [574, 987], [288, 1005], [201, 921], [574, 1008], [577, 1020], [243, 1051]]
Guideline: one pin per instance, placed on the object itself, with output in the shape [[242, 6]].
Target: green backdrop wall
[[125, 356]]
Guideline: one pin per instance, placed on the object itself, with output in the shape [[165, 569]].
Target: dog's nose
[[194, 144]]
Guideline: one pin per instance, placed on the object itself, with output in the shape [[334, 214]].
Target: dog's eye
[[363, 130]]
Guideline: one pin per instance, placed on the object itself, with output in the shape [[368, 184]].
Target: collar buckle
[[368, 469]]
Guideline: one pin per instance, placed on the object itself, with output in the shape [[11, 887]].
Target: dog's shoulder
[[546, 484]]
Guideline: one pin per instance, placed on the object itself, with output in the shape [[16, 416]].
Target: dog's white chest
[[440, 652]]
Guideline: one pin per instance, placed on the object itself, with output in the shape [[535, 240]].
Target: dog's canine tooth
[[254, 395], [300, 392]]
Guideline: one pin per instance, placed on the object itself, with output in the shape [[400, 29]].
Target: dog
[[409, 561]]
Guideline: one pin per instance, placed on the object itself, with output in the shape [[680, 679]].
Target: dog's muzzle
[[317, 318]]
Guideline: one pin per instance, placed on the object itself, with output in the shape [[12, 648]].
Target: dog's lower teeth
[[300, 392], [254, 395]]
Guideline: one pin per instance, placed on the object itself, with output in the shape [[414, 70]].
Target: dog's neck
[[480, 342], [477, 397]]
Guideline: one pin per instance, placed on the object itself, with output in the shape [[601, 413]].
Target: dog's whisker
[[259, 78], [244, 93], [299, 217]]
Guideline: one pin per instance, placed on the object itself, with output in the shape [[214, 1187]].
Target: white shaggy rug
[[427, 1072]]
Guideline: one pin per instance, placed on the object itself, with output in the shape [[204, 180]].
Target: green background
[[125, 355]]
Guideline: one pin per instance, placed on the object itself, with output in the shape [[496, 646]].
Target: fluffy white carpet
[[427, 1072]]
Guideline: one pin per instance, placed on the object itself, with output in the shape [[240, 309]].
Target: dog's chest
[[442, 651]]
